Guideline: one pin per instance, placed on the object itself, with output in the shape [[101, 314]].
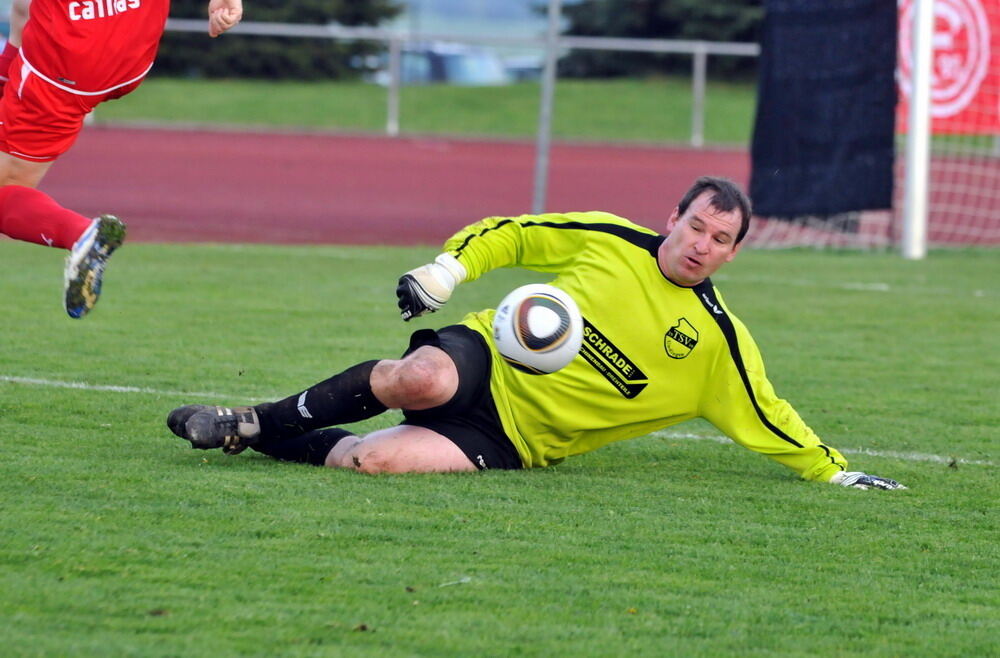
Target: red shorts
[[39, 121]]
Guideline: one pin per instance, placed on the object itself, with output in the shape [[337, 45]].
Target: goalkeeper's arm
[[427, 288]]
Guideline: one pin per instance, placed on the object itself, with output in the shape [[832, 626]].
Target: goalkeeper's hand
[[426, 289], [860, 480]]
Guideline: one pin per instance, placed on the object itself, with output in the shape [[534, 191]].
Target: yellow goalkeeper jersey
[[654, 353]]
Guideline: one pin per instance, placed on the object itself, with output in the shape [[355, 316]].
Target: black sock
[[344, 398], [309, 448]]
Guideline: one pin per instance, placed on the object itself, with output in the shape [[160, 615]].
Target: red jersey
[[91, 47]]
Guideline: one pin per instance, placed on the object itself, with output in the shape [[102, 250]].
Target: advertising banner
[[965, 78]]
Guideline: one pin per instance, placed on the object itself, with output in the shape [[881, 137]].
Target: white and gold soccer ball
[[538, 328]]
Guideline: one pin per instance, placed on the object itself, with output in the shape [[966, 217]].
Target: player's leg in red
[[37, 124], [32, 216]]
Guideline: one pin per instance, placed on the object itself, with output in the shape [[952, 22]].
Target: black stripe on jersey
[[649, 242], [706, 295]]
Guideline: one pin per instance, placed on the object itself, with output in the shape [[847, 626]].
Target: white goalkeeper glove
[[427, 288], [860, 480]]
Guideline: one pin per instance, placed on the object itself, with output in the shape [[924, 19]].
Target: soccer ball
[[538, 328]]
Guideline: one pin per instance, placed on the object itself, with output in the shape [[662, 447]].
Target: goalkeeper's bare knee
[[425, 379]]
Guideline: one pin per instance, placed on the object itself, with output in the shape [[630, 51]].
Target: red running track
[[195, 186]]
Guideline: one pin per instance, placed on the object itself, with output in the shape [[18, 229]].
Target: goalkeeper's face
[[698, 242]]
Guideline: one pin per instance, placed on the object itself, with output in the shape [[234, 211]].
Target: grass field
[[115, 539], [655, 110]]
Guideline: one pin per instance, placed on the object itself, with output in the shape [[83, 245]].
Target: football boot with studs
[[85, 264], [234, 429]]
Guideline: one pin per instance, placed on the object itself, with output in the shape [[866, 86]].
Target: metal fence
[[396, 42]]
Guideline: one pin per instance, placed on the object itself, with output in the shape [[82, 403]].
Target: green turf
[[115, 539], [655, 110]]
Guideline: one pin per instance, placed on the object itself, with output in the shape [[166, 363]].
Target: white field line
[[859, 286], [684, 436], [893, 454], [51, 383]]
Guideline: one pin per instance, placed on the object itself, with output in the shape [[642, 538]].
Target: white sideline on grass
[[663, 434], [893, 454], [51, 383], [857, 286]]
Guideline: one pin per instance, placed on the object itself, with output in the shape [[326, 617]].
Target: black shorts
[[470, 419]]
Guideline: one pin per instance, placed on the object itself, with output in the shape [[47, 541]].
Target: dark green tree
[[708, 20], [235, 55]]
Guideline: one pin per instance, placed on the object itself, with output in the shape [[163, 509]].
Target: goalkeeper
[[660, 347]]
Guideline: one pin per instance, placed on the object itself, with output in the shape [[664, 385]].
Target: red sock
[[32, 216], [6, 57]]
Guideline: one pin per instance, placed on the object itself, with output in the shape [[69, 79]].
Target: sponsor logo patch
[[88, 10], [611, 362]]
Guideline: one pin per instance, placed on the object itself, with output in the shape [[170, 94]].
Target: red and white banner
[[965, 78]]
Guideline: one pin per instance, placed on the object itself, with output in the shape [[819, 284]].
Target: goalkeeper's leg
[[401, 449], [425, 378], [310, 448], [343, 398], [446, 429]]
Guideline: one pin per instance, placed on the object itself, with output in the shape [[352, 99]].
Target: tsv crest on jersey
[[680, 339]]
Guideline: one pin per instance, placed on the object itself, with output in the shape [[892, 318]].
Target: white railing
[[395, 42]]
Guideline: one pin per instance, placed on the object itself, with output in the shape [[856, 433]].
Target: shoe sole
[[85, 265]]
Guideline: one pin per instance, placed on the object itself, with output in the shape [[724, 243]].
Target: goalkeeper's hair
[[726, 196]]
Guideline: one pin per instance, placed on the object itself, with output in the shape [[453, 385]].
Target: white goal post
[[914, 239]]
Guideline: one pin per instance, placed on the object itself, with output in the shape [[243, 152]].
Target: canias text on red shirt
[[93, 9]]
